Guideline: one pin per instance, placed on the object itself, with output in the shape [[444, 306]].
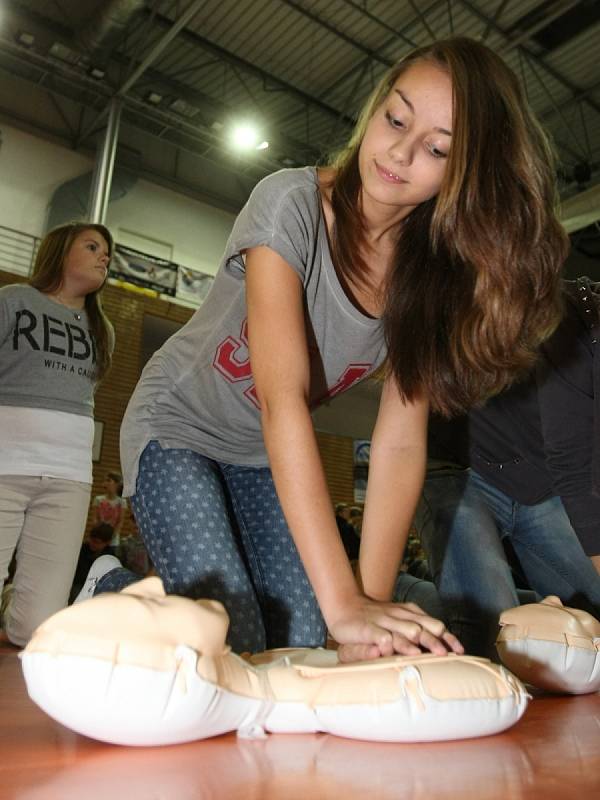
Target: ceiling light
[[262, 146], [26, 39], [244, 137], [154, 98], [97, 73]]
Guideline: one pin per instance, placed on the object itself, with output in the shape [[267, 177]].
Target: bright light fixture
[[262, 146], [244, 137]]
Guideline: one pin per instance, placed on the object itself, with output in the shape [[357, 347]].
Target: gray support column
[[105, 161]]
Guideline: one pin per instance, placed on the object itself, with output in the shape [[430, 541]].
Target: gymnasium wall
[[149, 217]]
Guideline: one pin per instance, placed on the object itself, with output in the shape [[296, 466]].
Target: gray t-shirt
[[47, 354], [197, 391]]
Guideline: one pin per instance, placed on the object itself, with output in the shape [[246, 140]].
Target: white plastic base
[[552, 666], [138, 706]]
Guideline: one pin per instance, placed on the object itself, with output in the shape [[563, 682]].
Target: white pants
[[44, 518]]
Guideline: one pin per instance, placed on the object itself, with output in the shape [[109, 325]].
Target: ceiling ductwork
[[108, 24], [70, 200]]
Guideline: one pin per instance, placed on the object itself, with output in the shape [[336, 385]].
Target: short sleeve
[[282, 213]]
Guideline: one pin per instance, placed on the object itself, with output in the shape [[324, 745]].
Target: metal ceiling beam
[[559, 10], [231, 58], [151, 57], [32, 60], [586, 133], [332, 87], [422, 16], [158, 48], [373, 18], [450, 17], [216, 108], [537, 59], [576, 98], [567, 149], [372, 54], [497, 14], [569, 128], [193, 133], [60, 112], [363, 65]]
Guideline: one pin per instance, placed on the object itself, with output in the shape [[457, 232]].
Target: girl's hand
[[372, 629]]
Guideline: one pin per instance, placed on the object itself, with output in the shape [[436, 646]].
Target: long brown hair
[[47, 277], [475, 283]]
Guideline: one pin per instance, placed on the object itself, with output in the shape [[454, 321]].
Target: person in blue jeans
[[533, 480], [327, 275]]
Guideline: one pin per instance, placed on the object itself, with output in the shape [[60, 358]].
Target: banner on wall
[[193, 285], [144, 270], [362, 452]]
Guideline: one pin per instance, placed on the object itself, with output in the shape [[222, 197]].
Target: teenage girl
[[55, 345], [429, 245]]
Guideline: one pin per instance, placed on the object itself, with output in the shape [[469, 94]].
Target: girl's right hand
[[372, 629]]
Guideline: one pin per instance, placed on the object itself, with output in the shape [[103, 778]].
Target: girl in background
[[430, 245], [111, 507], [55, 345]]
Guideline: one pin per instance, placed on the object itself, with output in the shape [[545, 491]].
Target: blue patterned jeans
[[217, 531]]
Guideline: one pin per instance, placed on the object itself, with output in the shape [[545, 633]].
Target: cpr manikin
[[161, 673], [551, 646]]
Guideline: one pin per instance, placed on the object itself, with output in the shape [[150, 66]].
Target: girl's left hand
[[410, 631]]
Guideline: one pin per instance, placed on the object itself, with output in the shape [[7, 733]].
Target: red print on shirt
[[232, 360]]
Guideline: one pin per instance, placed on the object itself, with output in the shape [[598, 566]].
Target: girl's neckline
[[76, 312], [340, 291]]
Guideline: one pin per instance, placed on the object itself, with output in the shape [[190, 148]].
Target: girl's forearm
[[302, 489], [394, 488]]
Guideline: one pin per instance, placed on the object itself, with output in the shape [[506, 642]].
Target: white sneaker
[[99, 568]]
